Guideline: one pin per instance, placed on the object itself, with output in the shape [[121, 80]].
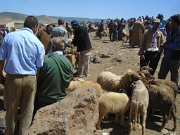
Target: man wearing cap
[[54, 77], [82, 42], [151, 46], [171, 59], [59, 31]]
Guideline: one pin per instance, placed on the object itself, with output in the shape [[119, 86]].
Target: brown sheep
[[162, 99], [79, 84], [128, 78]]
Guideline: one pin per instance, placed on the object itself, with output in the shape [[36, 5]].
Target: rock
[[117, 59], [77, 114], [96, 59], [104, 55]]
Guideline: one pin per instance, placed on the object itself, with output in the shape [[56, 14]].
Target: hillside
[[43, 18]]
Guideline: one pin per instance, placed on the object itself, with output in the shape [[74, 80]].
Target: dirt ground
[[130, 60]]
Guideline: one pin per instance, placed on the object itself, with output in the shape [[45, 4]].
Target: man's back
[[54, 78], [20, 49], [81, 39]]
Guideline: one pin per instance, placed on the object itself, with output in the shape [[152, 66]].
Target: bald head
[[57, 43]]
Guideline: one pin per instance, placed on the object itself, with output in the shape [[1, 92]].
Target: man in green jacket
[[54, 77]]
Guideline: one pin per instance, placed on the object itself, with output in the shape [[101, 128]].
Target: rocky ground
[[118, 57], [123, 57]]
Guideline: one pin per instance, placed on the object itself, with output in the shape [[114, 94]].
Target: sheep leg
[[135, 116], [122, 118], [143, 123], [130, 129], [174, 118], [117, 117], [130, 119], [138, 118], [164, 122], [101, 116]]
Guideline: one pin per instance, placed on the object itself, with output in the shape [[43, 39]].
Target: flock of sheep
[[136, 93]]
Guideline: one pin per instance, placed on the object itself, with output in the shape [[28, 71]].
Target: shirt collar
[[55, 53], [28, 29]]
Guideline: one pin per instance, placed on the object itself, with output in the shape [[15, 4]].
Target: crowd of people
[[38, 73]]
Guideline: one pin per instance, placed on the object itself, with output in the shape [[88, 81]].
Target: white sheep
[[109, 81], [112, 102], [139, 105]]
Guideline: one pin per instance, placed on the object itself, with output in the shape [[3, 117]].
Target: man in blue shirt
[[171, 59], [21, 54]]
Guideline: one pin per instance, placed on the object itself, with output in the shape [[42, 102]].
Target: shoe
[[75, 74]]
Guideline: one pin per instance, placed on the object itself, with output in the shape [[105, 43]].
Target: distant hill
[[43, 18]]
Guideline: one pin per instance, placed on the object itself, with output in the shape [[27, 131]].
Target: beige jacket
[[147, 39]]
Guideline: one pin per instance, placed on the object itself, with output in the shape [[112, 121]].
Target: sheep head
[[146, 68], [128, 79], [145, 73], [133, 76]]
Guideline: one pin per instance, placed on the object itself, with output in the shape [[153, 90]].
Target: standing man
[[171, 59], [21, 54], [54, 77], [137, 33], [100, 29], [151, 46], [82, 42], [58, 31]]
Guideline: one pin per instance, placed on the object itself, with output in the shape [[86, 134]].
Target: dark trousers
[[151, 60], [172, 66]]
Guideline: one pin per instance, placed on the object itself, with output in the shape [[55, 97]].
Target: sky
[[101, 9]]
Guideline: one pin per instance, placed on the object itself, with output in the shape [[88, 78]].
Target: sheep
[[109, 81], [79, 84], [166, 83], [112, 102], [148, 78], [145, 73], [139, 96], [162, 99], [162, 94], [139, 105]]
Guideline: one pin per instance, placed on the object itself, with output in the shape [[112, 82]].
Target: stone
[[76, 114]]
